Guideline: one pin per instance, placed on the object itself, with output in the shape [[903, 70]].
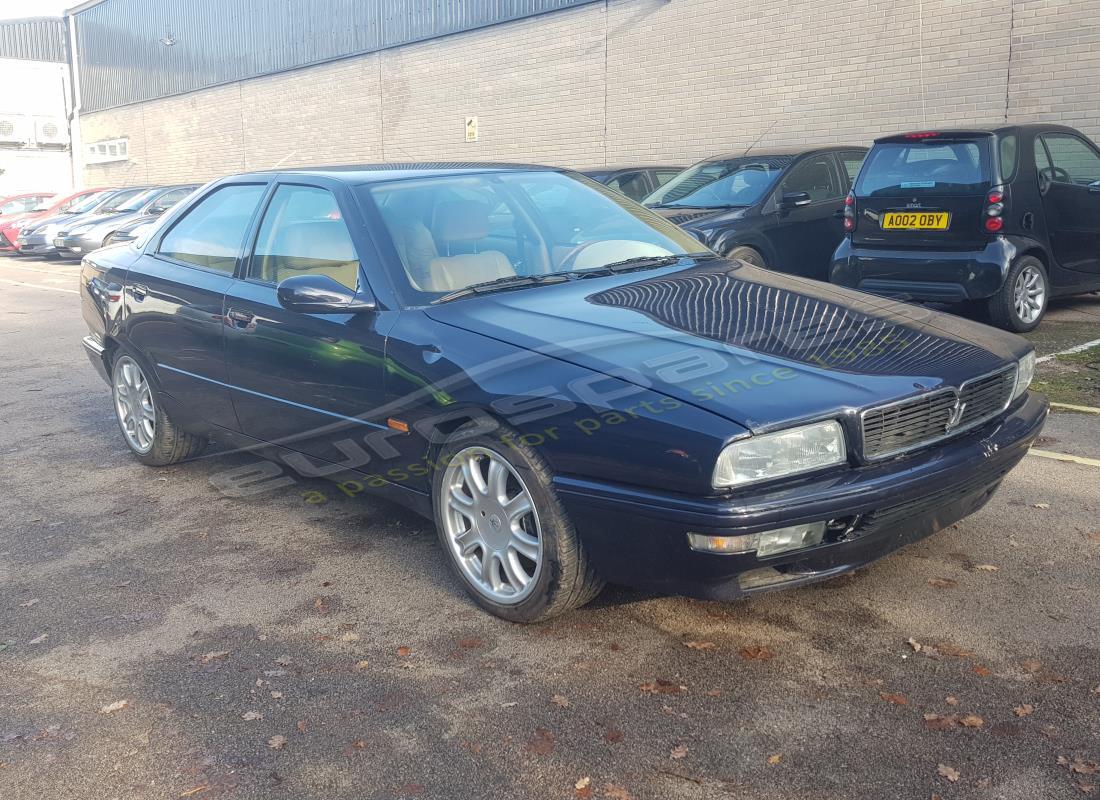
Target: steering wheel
[[1055, 175]]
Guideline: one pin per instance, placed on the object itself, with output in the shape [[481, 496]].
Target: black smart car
[[634, 181], [1008, 217], [780, 209]]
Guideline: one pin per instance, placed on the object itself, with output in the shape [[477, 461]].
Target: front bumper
[[74, 245], [948, 276], [639, 538], [97, 354], [34, 245]]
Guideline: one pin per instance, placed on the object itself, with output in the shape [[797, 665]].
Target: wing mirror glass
[[796, 199], [320, 294], [158, 210]]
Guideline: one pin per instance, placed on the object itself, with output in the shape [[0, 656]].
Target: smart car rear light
[[922, 135], [993, 216], [850, 213]]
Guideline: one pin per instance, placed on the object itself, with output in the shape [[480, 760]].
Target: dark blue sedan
[[568, 384]]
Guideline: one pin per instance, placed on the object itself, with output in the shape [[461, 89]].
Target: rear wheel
[[505, 532], [1021, 302], [749, 255], [147, 429]]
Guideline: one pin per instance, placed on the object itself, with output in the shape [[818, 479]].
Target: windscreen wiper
[[505, 283], [641, 262]]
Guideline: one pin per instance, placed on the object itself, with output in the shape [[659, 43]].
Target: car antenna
[[758, 138]]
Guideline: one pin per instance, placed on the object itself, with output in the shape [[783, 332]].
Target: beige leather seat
[[456, 224], [320, 248]]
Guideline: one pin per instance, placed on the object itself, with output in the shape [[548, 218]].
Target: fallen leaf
[[277, 742], [700, 645], [1041, 505], [938, 722], [29, 603], [756, 653], [118, 705], [660, 686], [1096, 690], [471, 643], [1080, 767], [582, 782], [950, 773], [409, 789], [971, 721], [349, 636], [678, 752], [1031, 665], [560, 701], [1095, 536], [615, 792], [942, 583], [613, 735], [775, 758], [276, 695], [1023, 710], [713, 692], [914, 644], [542, 743], [948, 649], [1084, 787], [193, 792], [951, 701], [320, 606], [983, 672], [582, 788], [284, 661], [404, 651], [206, 658], [897, 698], [302, 726], [249, 716], [986, 568], [983, 783]]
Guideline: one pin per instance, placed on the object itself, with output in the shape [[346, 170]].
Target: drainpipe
[[73, 102]]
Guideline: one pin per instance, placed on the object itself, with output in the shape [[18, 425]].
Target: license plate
[[58, 242], [916, 220]]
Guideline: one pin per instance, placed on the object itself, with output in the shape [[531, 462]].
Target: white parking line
[[38, 286], [1088, 462], [1079, 348]]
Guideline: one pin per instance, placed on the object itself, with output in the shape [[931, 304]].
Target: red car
[[12, 223]]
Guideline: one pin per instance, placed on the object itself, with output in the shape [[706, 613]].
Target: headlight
[[774, 455], [1025, 371]]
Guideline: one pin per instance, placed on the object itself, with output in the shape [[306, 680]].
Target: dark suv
[[1008, 217], [779, 209]]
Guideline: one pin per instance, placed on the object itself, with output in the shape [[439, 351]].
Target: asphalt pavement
[[159, 639]]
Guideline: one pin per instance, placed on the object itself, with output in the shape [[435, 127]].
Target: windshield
[[720, 184], [138, 201], [925, 167], [86, 203], [116, 202], [453, 232]]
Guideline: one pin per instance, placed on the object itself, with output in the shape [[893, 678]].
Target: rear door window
[[816, 177], [1072, 161], [851, 160], [211, 233], [1007, 151], [632, 184], [899, 169]]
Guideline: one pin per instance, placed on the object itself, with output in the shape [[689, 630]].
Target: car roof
[[626, 168], [376, 173], [980, 130]]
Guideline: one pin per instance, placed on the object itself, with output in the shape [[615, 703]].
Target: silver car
[[94, 231], [36, 237]]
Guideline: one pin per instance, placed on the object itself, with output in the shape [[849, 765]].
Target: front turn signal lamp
[[775, 455]]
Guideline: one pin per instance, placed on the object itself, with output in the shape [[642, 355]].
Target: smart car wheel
[[504, 531], [1022, 300], [748, 255], [149, 432]]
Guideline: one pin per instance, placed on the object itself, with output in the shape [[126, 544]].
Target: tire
[[151, 435], [749, 255], [559, 575], [1026, 275]]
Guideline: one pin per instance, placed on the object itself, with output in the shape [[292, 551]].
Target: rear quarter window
[[896, 169]]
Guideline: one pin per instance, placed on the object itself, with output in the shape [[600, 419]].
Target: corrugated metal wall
[[35, 39], [122, 58]]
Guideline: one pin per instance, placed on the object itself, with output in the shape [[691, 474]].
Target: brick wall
[[637, 80]]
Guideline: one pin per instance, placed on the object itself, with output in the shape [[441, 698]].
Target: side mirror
[[320, 294], [796, 199], [1094, 187], [156, 211]]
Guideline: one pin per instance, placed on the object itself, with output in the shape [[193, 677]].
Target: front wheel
[[147, 429], [749, 255], [1021, 302], [504, 531]]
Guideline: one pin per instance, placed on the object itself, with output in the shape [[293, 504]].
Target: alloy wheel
[[137, 414], [491, 525], [1029, 295]]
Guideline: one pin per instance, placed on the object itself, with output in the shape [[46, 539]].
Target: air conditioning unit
[[51, 131], [13, 129]]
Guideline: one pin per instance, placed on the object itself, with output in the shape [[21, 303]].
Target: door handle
[[242, 317], [139, 291]]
